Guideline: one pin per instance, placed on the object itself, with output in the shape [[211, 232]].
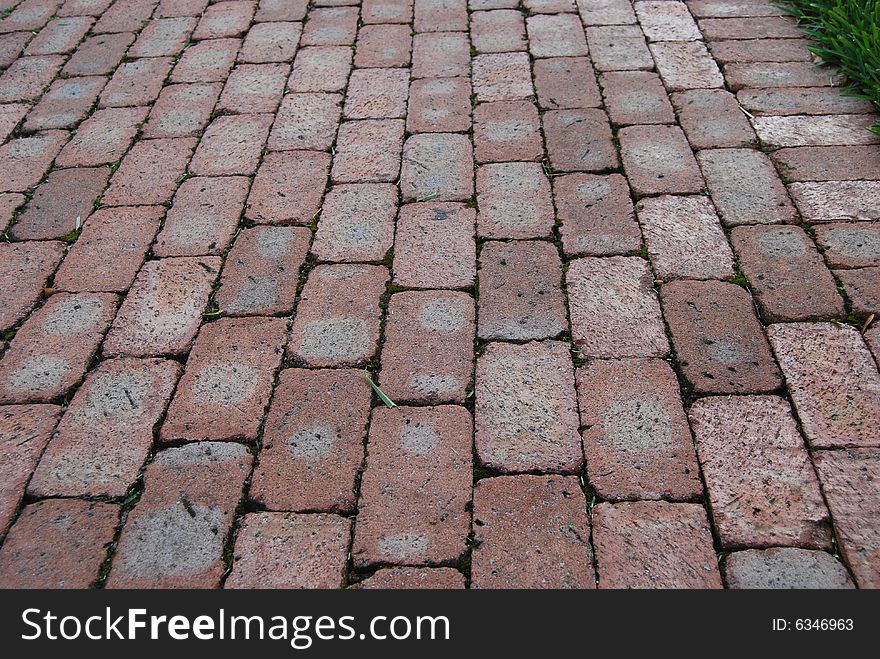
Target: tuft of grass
[[847, 33]]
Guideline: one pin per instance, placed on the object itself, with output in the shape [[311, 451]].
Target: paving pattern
[[613, 260]]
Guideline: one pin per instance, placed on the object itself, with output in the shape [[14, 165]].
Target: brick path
[[611, 258]]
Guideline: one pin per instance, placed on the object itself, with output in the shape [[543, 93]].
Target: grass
[[847, 33]]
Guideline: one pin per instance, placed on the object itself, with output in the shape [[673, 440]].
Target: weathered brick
[[173, 8], [437, 367], [11, 115], [281, 10], [313, 443], [434, 246], [416, 487], [306, 121], [270, 42], [845, 129], [333, 26], [579, 140], [667, 21], [106, 434], [225, 390], [684, 238], [439, 105], [837, 200], [163, 37], [368, 151], [711, 119], [760, 481], [872, 338], [175, 535], [514, 200], [607, 12], [387, 11], [11, 46], [58, 544], [110, 250], [125, 16], [24, 160], [31, 15], [337, 320], [405, 578], [61, 35], [498, 31], [761, 50], [745, 187], [357, 222], [437, 167], [137, 82], [728, 8], [774, 27], [321, 69], [849, 244], [206, 61], [377, 94], [862, 287], [786, 273], [566, 82], [65, 103], [440, 15], [553, 509], [686, 65], [720, 344], [51, 351], [61, 204], [149, 172], [225, 19], [502, 77], [654, 544], [658, 160], [758, 75], [636, 97], [794, 100], [103, 138], [506, 131], [828, 163], [785, 568], [182, 110], [253, 88], [556, 35], [285, 550], [383, 45], [9, 204], [288, 187], [27, 77], [550, 6], [24, 270], [441, 55], [596, 215], [526, 408], [24, 432], [84, 7], [849, 480], [162, 312], [231, 145], [614, 311], [619, 48], [98, 55]]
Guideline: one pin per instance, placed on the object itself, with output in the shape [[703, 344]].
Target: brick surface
[[24, 269], [333, 26], [125, 16], [163, 37], [31, 15], [387, 11], [794, 100], [110, 250], [438, 366], [455, 61], [862, 288], [357, 223], [280, 10], [776, 27], [565, 83], [553, 509], [103, 138], [106, 434], [9, 204], [836, 200], [760, 481], [498, 31], [225, 19], [684, 238], [11, 46], [321, 69], [51, 351], [437, 167], [666, 21], [58, 544], [439, 105], [260, 274], [654, 545], [526, 408], [284, 550], [614, 311], [514, 200], [174, 537], [507, 130], [66, 103], [596, 214], [206, 61], [376, 94], [27, 77], [439, 15], [686, 65], [403, 578], [149, 172], [253, 88], [719, 342], [502, 77], [579, 140], [231, 145], [84, 7], [607, 12], [313, 443], [658, 160], [182, 110], [288, 187], [849, 244], [163, 309], [368, 151], [26, 159], [434, 246], [712, 118], [270, 42], [416, 487], [98, 55], [758, 75], [636, 97], [765, 50], [728, 8], [637, 442], [136, 82], [786, 274], [619, 48], [785, 568], [11, 115], [556, 35], [829, 163], [383, 45], [815, 131], [337, 321]]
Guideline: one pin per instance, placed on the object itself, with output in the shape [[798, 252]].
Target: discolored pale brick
[[441, 55], [619, 48], [225, 19], [498, 31], [502, 77], [434, 246], [253, 88], [12, 45], [761, 50], [845, 129], [229, 376], [377, 94], [773, 27], [550, 6], [637, 442], [745, 187], [403, 578], [288, 187], [260, 275], [31, 15], [849, 480], [837, 200], [149, 172], [667, 21], [654, 544], [437, 167], [98, 55], [136, 82], [58, 543], [61, 204], [387, 11], [849, 244], [514, 200], [182, 110], [786, 274], [163, 309], [862, 288], [285, 550], [579, 140], [728, 8], [337, 320], [785, 568], [439, 105], [686, 65], [24, 432], [416, 488], [110, 250], [28, 77], [174, 536], [607, 12], [103, 138], [61, 35], [206, 61], [526, 408], [614, 310], [25, 159], [828, 163], [507, 131], [383, 45], [332, 26], [556, 35], [65, 103], [51, 351], [684, 238], [712, 118], [231, 144], [596, 215], [125, 16], [321, 69], [554, 553], [84, 7], [306, 121], [636, 97], [163, 37], [107, 431], [566, 82], [440, 15], [719, 342], [357, 223], [11, 115], [281, 10], [795, 100], [24, 269], [313, 443], [658, 160], [368, 151], [270, 42], [758, 75]]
